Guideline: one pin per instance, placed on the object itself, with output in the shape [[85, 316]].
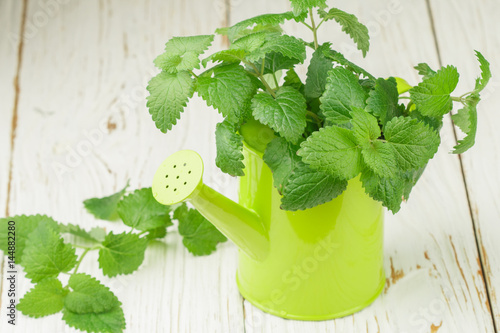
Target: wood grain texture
[[461, 27], [84, 130], [433, 275], [10, 26]]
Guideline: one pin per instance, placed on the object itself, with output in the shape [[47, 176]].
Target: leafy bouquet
[[341, 123]]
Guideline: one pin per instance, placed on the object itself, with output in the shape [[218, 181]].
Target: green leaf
[[282, 158], [293, 80], [485, 72], [383, 100], [251, 42], [105, 208], [95, 234], [157, 233], [351, 26], [89, 295], [274, 62], [46, 298], [228, 56], [286, 113], [425, 70], [301, 6], [342, 93], [229, 149], [432, 95], [389, 191], [199, 236], [229, 89], [317, 72], [333, 150], [181, 53], [341, 60], [265, 19], [46, 255], [413, 142], [24, 226], [112, 321], [141, 211], [380, 158], [122, 253], [466, 120], [365, 126], [288, 46], [168, 95], [307, 188]]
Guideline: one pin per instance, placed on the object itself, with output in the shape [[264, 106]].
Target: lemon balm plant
[[315, 135]]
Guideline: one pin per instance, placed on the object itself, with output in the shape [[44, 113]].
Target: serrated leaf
[[122, 253], [383, 101], [466, 119], [432, 95], [234, 31], [251, 42], [46, 255], [199, 236], [112, 321], [156, 233], [229, 89], [389, 191], [88, 295], [317, 72], [24, 226], [282, 158], [95, 234], [168, 95], [229, 149], [365, 126], [181, 53], [341, 60], [307, 188], [227, 56], [286, 113], [380, 158], [333, 150], [425, 70], [351, 26], [301, 6], [342, 93], [46, 298], [105, 208], [413, 142], [485, 72], [141, 211], [287, 46], [274, 62]]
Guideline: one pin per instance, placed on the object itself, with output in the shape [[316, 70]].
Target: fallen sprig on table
[[86, 303]]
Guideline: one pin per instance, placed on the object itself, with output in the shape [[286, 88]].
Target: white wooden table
[[73, 125]]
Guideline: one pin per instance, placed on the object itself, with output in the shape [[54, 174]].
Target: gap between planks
[[477, 236]]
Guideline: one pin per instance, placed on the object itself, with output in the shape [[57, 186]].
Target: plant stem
[[314, 29], [193, 74], [315, 117], [275, 80], [262, 67], [80, 259], [264, 82], [307, 25]]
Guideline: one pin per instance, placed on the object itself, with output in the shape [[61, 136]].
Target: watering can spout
[[180, 178]]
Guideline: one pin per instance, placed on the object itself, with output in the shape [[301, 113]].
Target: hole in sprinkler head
[[177, 177], [166, 186], [185, 183], [185, 164], [166, 176], [175, 189], [175, 166], [189, 171]]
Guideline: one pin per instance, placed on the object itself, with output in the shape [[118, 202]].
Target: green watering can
[[317, 264]]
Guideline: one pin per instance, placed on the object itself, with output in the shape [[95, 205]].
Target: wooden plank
[[10, 27], [84, 130], [461, 27], [433, 276]]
